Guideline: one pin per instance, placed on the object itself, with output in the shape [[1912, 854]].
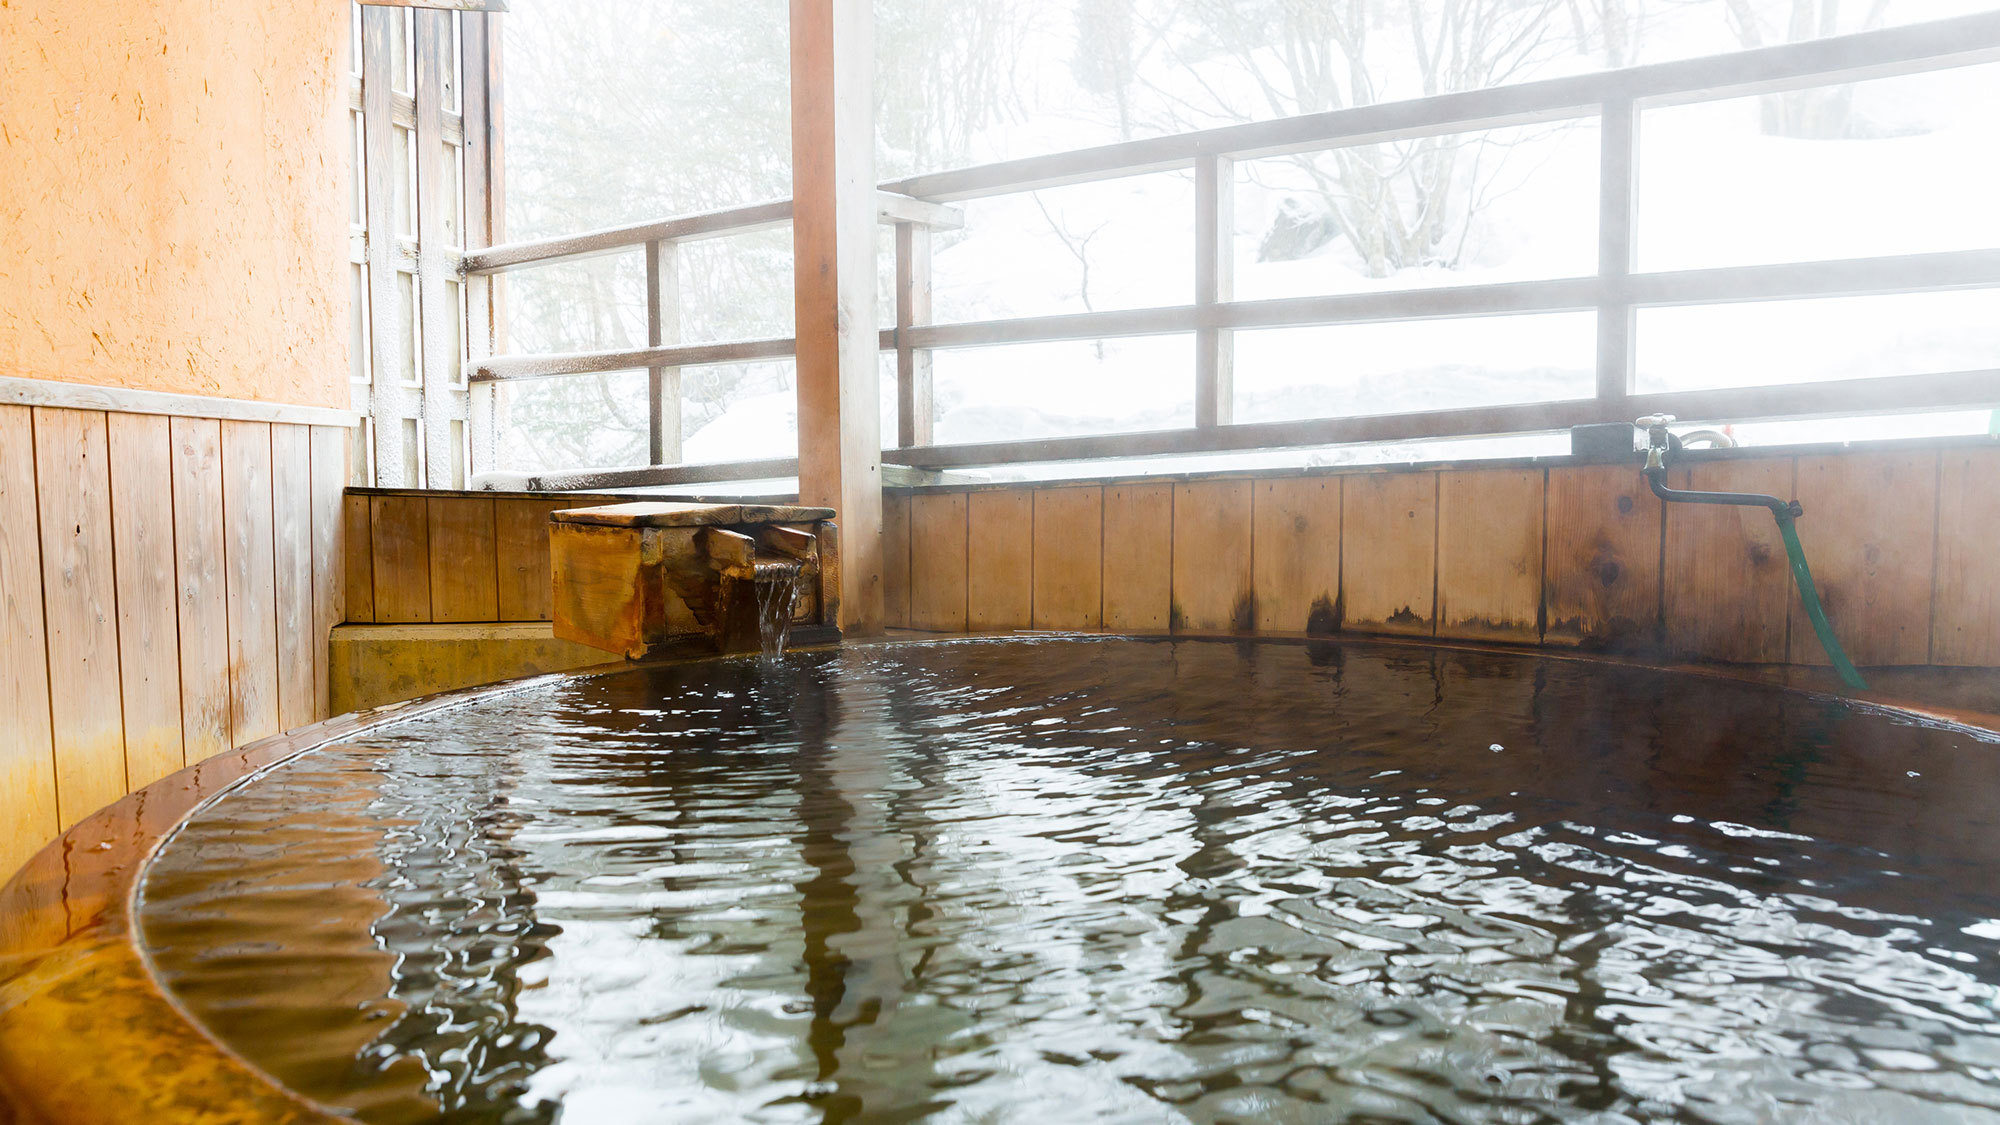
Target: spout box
[[641, 579]]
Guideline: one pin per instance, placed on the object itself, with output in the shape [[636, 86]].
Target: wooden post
[[663, 326], [914, 412], [833, 234], [1618, 200], [1214, 259]]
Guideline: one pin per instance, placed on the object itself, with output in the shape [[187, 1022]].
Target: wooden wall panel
[[938, 562], [896, 560], [1965, 609], [1213, 591], [1138, 557], [1069, 558], [142, 543], [1489, 555], [1870, 534], [521, 537], [201, 582], [27, 757], [1388, 552], [1296, 552], [1602, 575], [1728, 587], [359, 559], [464, 562], [291, 535], [73, 486], [399, 536], [329, 552], [1000, 559], [250, 574]]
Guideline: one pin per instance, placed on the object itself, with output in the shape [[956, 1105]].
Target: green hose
[[1816, 611]]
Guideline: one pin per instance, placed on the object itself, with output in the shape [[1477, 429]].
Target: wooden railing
[[1614, 293]]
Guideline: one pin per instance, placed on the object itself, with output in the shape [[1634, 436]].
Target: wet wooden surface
[[1388, 569], [27, 755], [1138, 557], [202, 588], [896, 560], [299, 657], [1965, 608], [1601, 575], [142, 536], [464, 559], [359, 555], [330, 472], [1727, 585], [521, 542], [1296, 555], [250, 575], [1489, 555], [1870, 535], [1069, 558], [938, 562], [1213, 583], [1000, 563], [399, 528]]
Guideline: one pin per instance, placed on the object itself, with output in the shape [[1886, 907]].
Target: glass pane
[[1283, 374], [594, 304], [739, 411], [1760, 344], [1121, 244], [1895, 166], [1461, 209], [575, 422], [1020, 391]]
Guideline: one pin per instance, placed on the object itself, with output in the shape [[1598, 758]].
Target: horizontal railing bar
[[1555, 295], [506, 368], [1937, 44], [890, 208], [1902, 273], [1894, 394], [1107, 324], [591, 480]]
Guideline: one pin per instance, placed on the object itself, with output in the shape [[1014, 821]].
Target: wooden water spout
[[647, 578]]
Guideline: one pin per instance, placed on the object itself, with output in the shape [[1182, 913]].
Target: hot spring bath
[[1061, 879]]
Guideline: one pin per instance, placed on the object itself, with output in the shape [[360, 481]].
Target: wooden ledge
[[661, 514]]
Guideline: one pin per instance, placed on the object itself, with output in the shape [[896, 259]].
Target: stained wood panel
[[250, 575], [1388, 552], [1138, 557], [1728, 587], [142, 542], [329, 552], [1212, 580], [1296, 555], [1489, 555], [1069, 558], [359, 559], [73, 487], [201, 587], [1000, 560], [1965, 608], [1602, 576], [291, 536], [27, 756], [1870, 534], [399, 537], [463, 559], [896, 560], [521, 540], [938, 562]]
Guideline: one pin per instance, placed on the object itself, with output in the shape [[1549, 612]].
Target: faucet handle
[[1651, 420]]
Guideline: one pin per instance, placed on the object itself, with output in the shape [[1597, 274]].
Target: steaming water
[[1054, 881]]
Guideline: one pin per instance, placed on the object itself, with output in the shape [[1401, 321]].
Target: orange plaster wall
[[173, 196]]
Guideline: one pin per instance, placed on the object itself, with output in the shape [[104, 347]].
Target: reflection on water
[[1112, 880]]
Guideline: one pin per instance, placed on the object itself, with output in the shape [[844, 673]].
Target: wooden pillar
[[833, 236]]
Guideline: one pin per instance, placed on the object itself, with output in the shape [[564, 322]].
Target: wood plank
[[359, 560], [1069, 558], [1138, 557], [1602, 582], [463, 559], [202, 588], [399, 534], [1000, 559], [250, 574], [1965, 612], [329, 553], [1489, 557], [73, 485], [1728, 587], [27, 753], [291, 536], [1213, 590], [938, 562], [142, 543], [1296, 551], [1870, 534], [896, 560], [521, 545], [1388, 553]]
